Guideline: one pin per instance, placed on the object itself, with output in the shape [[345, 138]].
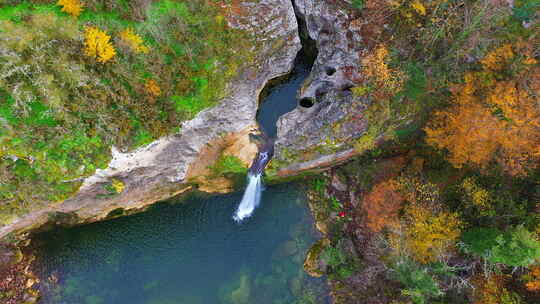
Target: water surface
[[282, 98], [190, 252]]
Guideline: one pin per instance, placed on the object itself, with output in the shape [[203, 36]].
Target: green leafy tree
[[516, 247], [420, 285], [358, 4]]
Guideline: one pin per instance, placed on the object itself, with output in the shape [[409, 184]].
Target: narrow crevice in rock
[[280, 95], [309, 46]]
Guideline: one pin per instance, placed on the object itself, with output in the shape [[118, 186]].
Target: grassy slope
[[60, 111]]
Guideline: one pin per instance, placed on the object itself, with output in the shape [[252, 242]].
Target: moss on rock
[[312, 263]]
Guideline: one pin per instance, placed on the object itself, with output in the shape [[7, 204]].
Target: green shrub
[[340, 265], [516, 247], [319, 185], [228, 164], [358, 4], [524, 10], [419, 283]]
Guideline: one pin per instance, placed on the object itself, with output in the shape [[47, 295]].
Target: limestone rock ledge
[[164, 168]]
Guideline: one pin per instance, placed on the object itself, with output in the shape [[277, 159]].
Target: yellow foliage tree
[[72, 7], [495, 117], [412, 9], [152, 88], [134, 41], [427, 231], [98, 45], [418, 7], [375, 67], [477, 197], [430, 233]]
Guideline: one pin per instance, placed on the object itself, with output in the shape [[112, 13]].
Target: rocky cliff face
[[325, 126], [169, 165]]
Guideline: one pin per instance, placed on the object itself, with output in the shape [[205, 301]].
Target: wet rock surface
[[313, 264]]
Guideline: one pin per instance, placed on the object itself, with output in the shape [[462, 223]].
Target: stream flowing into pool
[[190, 250], [186, 252], [251, 198], [280, 100]]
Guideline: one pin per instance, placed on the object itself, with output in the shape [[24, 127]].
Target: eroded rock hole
[[306, 102], [330, 71]]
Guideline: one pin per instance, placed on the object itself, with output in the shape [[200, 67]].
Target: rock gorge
[[319, 133]]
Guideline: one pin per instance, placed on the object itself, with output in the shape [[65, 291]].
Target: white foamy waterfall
[[251, 198]]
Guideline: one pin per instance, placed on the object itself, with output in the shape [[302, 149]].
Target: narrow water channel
[[281, 98]]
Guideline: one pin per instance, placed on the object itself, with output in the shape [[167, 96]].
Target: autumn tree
[[533, 279], [495, 114], [382, 205], [477, 198], [492, 290], [97, 44], [430, 233], [72, 7], [133, 41], [427, 231], [385, 80], [152, 88]]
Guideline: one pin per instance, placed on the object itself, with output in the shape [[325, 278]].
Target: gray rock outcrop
[[323, 128]]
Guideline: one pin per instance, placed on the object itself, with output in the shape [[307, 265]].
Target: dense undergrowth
[[447, 210], [76, 80], [418, 54]]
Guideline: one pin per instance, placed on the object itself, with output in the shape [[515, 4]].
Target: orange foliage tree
[[495, 115], [384, 79], [533, 282], [382, 205], [152, 88]]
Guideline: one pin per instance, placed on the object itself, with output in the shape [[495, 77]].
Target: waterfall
[[252, 195], [251, 198]]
